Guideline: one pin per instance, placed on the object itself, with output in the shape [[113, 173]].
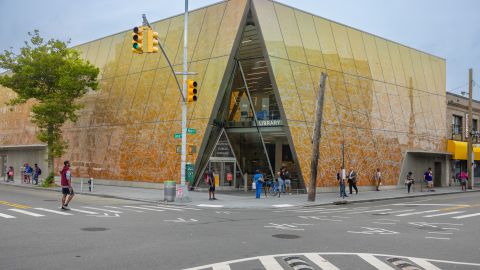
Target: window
[[474, 125], [457, 124]]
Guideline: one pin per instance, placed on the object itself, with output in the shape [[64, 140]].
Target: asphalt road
[[104, 233]]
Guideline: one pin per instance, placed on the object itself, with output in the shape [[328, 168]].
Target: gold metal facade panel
[[126, 129], [381, 98]]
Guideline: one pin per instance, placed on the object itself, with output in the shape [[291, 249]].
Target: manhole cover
[[286, 236], [94, 229]]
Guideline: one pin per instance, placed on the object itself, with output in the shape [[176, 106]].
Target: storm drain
[[297, 263], [402, 264], [94, 229], [286, 236]]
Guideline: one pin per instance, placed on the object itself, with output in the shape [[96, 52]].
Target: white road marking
[[370, 231], [84, 211], [417, 213], [467, 216], [384, 223], [115, 207], [374, 261], [438, 238], [101, 209], [321, 262], [164, 208], [178, 207], [282, 205], [287, 227], [440, 232], [181, 220], [27, 212], [55, 212], [424, 264], [445, 214], [6, 216], [270, 263], [144, 208], [369, 211], [105, 215], [455, 229], [431, 204], [210, 205], [221, 266], [319, 218], [399, 211]]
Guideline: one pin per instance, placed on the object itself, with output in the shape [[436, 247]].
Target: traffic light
[[137, 39], [152, 41], [191, 90]]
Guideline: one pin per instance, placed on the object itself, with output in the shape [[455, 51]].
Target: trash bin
[[169, 190]]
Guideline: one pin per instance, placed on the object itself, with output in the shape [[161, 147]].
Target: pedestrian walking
[[352, 181], [28, 173], [66, 182], [259, 181], [10, 174], [36, 173], [288, 181], [211, 185], [281, 181], [378, 179], [409, 181], [341, 182], [463, 180], [428, 178]]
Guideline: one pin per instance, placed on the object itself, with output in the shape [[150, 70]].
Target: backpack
[[39, 171]]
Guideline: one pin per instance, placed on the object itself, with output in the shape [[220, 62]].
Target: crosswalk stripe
[[418, 213], [369, 211], [467, 216], [374, 261], [101, 209], [55, 212], [26, 212], [321, 262], [115, 207], [400, 211], [221, 266], [164, 208], [445, 214], [6, 216], [424, 264], [84, 211], [270, 263], [143, 208]]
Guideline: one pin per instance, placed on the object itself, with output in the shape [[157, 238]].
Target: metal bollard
[[81, 185]]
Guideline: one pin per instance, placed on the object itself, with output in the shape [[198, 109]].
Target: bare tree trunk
[[312, 188], [50, 155]]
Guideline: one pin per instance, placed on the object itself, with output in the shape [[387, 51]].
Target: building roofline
[[462, 97]]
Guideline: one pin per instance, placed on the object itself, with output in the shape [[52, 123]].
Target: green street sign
[[191, 131], [177, 135]]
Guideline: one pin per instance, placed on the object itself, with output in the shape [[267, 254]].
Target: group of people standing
[[351, 179], [28, 174], [284, 182]]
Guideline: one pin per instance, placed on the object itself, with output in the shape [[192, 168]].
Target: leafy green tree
[[53, 75]]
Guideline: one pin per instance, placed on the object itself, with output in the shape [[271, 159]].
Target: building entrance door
[[3, 166], [225, 172], [437, 174]]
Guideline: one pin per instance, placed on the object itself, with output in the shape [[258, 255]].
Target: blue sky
[[446, 28]]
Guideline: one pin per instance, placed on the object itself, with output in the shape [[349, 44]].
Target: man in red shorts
[[66, 183]]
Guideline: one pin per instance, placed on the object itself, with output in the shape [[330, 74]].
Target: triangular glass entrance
[[250, 115]]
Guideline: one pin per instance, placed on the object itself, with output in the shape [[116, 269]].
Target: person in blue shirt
[[259, 180], [428, 177]]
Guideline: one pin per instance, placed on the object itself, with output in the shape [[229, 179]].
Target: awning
[[459, 150]]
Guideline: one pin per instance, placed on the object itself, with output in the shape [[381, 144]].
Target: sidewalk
[[240, 199]]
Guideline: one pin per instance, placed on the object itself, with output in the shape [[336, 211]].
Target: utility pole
[[317, 130], [184, 190], [469, 133]]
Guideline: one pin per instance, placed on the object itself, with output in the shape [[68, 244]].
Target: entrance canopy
[[459, 150]]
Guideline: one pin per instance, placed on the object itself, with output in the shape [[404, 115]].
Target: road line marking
[[455, 229], [417, 213], [55, 212], [400, 211], [15, 205], [115, 207], [438, 238], [467, 216], [143, 208], [321, 262], [282, 205], [374, 261], [27, 213], [84, 211], [369, 211], [440, 232], [101, 209], [445, 214], [164, 208], [210, 205], [6, 216], [424, 264], [270, 263], [179, 207], [221, 266]]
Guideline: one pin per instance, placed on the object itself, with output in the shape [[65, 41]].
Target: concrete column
[[278, 154]]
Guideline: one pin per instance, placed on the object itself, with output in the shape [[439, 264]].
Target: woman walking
[[409, 181]]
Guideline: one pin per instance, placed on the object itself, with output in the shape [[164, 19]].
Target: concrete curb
[[302, 205]]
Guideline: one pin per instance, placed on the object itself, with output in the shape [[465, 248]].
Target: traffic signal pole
[[184, 194]]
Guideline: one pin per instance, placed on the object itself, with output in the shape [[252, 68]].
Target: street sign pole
[[184, 197]]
